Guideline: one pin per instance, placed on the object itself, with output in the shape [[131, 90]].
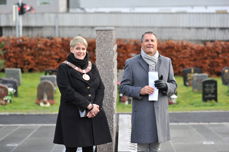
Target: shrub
[[39, 54]]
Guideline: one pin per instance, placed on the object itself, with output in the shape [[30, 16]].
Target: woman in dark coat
[[82, 90]]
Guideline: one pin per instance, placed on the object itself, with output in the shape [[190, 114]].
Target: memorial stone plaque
[[14, 73], [10, 83], [225, 76], [197, 79], [188, 73], [45, 92], [209, 90]]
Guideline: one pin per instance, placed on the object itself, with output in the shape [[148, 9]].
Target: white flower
[[11, 90], [44, 104]]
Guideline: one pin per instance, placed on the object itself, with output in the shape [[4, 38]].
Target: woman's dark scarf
[[77, 62]]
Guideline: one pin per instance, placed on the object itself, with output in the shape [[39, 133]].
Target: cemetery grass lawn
[[187, 100], [192, 101], [27, 92]]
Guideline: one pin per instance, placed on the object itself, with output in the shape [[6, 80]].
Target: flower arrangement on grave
[[44, 102], [172, 99], [9, 98]]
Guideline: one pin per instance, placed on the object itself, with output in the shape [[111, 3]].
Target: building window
[[2, 2]]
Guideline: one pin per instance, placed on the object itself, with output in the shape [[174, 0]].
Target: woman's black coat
[[71, 130]]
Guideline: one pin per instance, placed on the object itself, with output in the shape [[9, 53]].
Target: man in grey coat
[[150, 120]]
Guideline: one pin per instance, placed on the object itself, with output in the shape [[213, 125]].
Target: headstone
[[51, 72], [188, 73], [225, 76], [10, 83], [45, 93], [209, 90], [51, 78], [14, 73], [197, 79], [3, 93], [106, 61]]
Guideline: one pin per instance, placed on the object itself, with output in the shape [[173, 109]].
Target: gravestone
[[209, 90], [188, 73], [197, 79], [225, 76], [14, 73], [106, 61], [3, 93], [10, 83], [51, 78], [45, 92]]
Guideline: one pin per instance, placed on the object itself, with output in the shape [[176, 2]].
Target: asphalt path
[[175, 117], [190, 132]]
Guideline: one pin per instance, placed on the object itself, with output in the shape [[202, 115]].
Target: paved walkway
[[191, 132], [186, 137]]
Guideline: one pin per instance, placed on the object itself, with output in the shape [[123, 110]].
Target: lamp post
[[17, 18], [20, 20]]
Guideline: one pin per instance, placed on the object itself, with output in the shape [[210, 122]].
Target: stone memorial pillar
[[106, 61]]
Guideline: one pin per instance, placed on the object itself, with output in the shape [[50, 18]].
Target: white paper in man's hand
[[153, 76]]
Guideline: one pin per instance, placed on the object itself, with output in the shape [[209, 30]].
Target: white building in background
[[174, 6], [197, 20]]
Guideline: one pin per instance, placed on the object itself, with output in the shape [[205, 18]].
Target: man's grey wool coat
[[146, 113]]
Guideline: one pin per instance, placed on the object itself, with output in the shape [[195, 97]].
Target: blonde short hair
[[78, 39]]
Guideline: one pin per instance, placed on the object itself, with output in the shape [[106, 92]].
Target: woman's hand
[[94, 111]]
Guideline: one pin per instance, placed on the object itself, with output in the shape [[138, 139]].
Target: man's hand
[[161, 85], [146, 90]]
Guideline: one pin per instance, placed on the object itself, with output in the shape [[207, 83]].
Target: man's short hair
[[148, 32]]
